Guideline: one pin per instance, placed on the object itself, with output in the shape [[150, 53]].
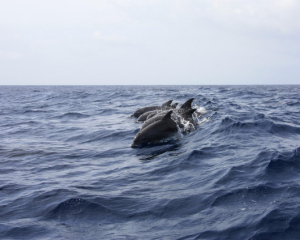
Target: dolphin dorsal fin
[[187, 104], [189, 112], [167, 104], [174, 105], [167, 116]]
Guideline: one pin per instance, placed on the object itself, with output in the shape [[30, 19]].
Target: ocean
[[67, 170]]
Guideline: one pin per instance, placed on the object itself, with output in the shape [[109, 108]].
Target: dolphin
[[154, 113], [186, 106], [160, 130], [174, 105], [145, 115], [151, 115], [140, 111], [155, 118], [187, 116]]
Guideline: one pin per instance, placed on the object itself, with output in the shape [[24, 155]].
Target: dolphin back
[[174, 105], [167, 104], [167, 116], [155, 132], [189, 113], [140, 111]]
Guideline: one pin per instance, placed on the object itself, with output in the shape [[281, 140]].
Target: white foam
[[201, 110], [187, 126], [178, 134], [204, 120]]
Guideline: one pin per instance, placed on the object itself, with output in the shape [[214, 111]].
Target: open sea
[[67, 170]]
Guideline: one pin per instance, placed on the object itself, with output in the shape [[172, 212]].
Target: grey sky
[[149, 42]]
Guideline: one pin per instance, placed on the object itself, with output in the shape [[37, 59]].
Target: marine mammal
[[157, 131], [140, 111], [174, 105], [186, 106], [145, 115], [177, 117], [153, 113], [155, 118]]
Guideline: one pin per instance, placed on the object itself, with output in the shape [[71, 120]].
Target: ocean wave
[[229, 125], [18, 152], [72, 116], [32, 231], [288, 163], [98, 136], [34, 111], [79, 209], [294, 103], [246, 196], [107, 111]]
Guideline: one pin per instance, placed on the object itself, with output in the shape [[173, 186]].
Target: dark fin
[[167, 104], [174, 105], [187, 104], [167, 116], [189, 112]]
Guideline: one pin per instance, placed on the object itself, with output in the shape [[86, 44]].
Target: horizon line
[[49, 85]]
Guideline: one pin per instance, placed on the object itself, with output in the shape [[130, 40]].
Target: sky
[[159, 42]]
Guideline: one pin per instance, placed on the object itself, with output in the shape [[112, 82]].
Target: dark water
[[67, 170]]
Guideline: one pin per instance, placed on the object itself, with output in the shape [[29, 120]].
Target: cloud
[[159, 41]]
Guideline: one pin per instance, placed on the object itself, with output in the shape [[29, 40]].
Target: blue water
[[67, 170]]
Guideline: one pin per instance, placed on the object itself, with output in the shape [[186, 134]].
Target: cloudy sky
[[96, 42]]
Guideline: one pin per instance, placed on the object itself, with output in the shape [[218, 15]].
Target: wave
[[287, 163], [32, 231], [108, 111], [18, 152], [294, 103], [79, 209], [72, 116], [34, 111], [245, 196], [229, 125], [278, 224], [101, 135]]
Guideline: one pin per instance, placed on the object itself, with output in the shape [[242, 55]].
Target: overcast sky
[[96, 42]]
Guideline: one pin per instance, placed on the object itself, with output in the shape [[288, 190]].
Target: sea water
[[67, 170]]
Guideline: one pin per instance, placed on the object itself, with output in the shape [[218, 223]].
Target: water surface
[[67, 170]]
